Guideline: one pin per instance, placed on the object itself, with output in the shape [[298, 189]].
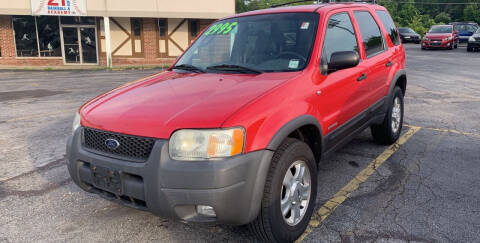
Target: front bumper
[[169, 188], [414, 39], [475, 44], [437, 44]]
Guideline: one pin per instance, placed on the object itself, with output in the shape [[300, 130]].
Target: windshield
[[406, 30], [441, 29], [265, 43], [466, 28]]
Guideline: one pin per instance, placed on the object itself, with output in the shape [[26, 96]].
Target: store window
[[37, 36], [162, 27], [77, 20], [194, 28], [49, 37], [25, 36], [137, 27]]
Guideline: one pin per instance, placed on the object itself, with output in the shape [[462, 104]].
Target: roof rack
[[323, 1]]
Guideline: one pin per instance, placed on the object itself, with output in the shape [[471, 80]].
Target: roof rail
[[323, 1], [293, 2]]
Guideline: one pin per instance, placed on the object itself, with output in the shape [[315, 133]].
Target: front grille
[[130, 147]]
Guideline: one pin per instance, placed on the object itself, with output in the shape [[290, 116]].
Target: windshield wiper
[[235, 68], [188, 67]]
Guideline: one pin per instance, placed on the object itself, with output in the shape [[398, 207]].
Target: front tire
[[389, 131], [289, 195]]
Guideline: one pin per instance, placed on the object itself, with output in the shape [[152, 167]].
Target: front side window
[[25, 36], [268, 43], [370, 32], [441, 29], [339, 36], [387, 22]]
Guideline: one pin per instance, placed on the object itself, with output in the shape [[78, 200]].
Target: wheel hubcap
[[295, 194], [396, 115]]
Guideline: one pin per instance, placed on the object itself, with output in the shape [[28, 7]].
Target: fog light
[[448, 44], [206, 211]]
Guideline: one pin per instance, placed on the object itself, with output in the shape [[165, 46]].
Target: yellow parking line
[[449, 131], [353, 185]]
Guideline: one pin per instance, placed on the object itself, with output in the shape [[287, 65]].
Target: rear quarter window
[[389, 26]]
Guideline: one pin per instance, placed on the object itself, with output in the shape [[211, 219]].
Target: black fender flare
[[291, 126], [395, 79], [393, 83]]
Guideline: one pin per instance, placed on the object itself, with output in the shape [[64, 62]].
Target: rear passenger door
[[376, 55], [395, 47]]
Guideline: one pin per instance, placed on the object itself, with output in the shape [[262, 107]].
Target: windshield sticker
[[222, 28], [293, 64], [305, 25]]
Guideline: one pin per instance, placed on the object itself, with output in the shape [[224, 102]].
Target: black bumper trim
[[169, 188]]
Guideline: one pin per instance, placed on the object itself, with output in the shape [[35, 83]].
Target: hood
[[161, 104], [438, 35]]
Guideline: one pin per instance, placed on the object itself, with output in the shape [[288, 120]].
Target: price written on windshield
[[222, 28]]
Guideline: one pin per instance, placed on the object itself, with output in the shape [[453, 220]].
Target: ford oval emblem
[[112, 143]]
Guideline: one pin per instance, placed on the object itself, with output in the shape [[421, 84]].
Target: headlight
[[201, 144], [425, 38], [448, 38], [471, 39], [76, 122]]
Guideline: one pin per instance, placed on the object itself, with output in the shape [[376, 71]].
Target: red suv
[[233, 132], [440, 36]]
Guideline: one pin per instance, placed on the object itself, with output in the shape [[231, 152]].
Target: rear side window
[[340, 36], [371, 36], [389, 26]]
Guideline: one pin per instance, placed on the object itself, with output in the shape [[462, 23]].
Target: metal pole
[[108, 49]]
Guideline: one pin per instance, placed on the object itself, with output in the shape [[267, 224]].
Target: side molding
[[291, 126]]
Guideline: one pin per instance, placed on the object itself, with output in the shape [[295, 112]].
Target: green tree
[[442, 18], [472, 13]]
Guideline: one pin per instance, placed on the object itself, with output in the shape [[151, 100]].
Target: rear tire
[[389, 131], [456, 46], [272, 224], [469, 49]]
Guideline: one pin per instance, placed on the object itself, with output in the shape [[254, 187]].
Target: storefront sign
[[59, 7]]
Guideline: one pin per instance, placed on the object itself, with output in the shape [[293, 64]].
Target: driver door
[[341, 90]]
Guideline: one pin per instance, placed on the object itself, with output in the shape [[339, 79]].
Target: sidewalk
[[79, 67]]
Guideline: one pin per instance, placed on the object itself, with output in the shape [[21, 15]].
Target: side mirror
[[343, 60]]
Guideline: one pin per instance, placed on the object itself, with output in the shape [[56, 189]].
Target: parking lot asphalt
[[426, 189]]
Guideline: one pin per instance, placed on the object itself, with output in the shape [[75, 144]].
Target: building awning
[[204, 9]]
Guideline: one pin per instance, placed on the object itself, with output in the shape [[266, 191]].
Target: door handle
[[363, 77], [389, 64]]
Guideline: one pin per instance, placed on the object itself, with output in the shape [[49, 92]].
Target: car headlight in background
[[202, 144], [425, 38], [76, 123], [448, 38], [471, 39]]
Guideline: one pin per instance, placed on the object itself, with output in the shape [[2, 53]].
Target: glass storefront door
[[70, 45], [80, 45], [89, 45]]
